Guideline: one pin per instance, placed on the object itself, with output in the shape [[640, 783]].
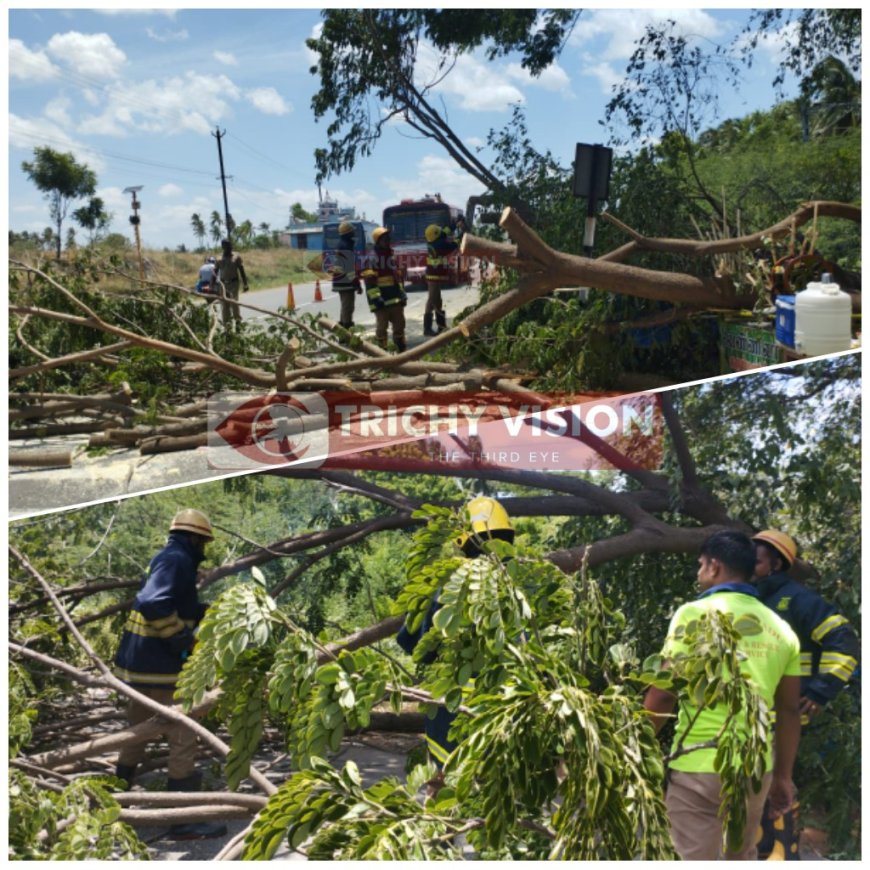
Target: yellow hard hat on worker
[[780, 541], [432, 232], [345, 228], [377, 233], [190, 520], [488, 519]]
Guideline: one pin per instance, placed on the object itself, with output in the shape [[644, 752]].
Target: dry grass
[[269, 268]]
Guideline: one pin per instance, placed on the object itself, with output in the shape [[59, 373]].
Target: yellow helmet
[[488, 517], [377, 233], [780, 542], [345, 228], [190, 520], [432, 232]]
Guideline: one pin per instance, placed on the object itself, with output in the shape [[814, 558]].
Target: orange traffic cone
[[291, 302], [318, 296]]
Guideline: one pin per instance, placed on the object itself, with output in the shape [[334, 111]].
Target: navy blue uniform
[[829, 647], [159, 631], [437, 729]]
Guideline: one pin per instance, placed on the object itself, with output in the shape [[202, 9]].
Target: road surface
[[454, 299]]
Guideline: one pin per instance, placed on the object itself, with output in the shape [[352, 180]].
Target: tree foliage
[[368, 72], [63, 181], [559, 659]]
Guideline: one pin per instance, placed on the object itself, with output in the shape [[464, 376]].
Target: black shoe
[[126, 772], [441, 320], [197, 831], [401, 344], [427, 324]]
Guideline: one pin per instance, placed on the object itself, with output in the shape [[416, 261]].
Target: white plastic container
[[823, 318]]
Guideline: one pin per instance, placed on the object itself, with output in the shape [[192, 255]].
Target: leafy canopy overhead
[[371, 54]]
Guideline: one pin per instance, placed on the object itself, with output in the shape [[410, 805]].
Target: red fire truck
[[407, 224]]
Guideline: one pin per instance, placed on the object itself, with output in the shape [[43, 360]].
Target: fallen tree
[[318, 354], [640, 517]]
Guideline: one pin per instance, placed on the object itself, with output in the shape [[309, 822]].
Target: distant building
[[309, 236]]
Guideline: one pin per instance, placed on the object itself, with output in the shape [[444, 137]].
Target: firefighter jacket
[[342, 266], [383, 286], [158, 634], [829, 647], [437, 742], [438, 258]]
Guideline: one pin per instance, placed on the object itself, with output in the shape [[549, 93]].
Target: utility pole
[[134, 219], [219, 134]]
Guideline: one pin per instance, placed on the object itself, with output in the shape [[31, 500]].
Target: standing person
[[440, 247], [489, 520], [829, 656], [386, 296], [157, 638], [772, 663], [231, 272], [344, 272], [207, 276]]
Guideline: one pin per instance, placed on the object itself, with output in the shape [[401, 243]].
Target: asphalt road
[[273, 298]]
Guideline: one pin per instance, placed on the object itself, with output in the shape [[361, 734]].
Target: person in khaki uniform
[[772, 663], [231, 272], [157, 638]]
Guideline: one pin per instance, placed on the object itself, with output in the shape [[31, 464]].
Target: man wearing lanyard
[[772, 663]]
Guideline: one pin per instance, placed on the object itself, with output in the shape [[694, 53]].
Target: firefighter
[[384, 290], [344, 273], [157, 638], [488, 520], [231, 272], [440, 247], [829, 656]]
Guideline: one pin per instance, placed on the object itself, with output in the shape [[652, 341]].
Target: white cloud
[[30, 133], [553, 78], [88, 54], [269, 101], [57, 110], [29, 65], [312, 56], [606, 73], [475, 141], [227, 58], [772, 46], [187, 102], [434, 175], [480, 86], [169, 190], [615, 31], [606, 38], [167, 35]]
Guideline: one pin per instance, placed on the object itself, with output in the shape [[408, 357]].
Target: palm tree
[[833, 95], [199, 230], [216, 225], [244, 232]]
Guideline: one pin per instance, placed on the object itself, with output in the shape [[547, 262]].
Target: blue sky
[[137, 94]]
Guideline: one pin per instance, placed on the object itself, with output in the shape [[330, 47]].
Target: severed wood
[[96, 354], [41, 458]]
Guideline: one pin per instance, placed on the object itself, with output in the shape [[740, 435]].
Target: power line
[[108, 154], [259, 153]]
